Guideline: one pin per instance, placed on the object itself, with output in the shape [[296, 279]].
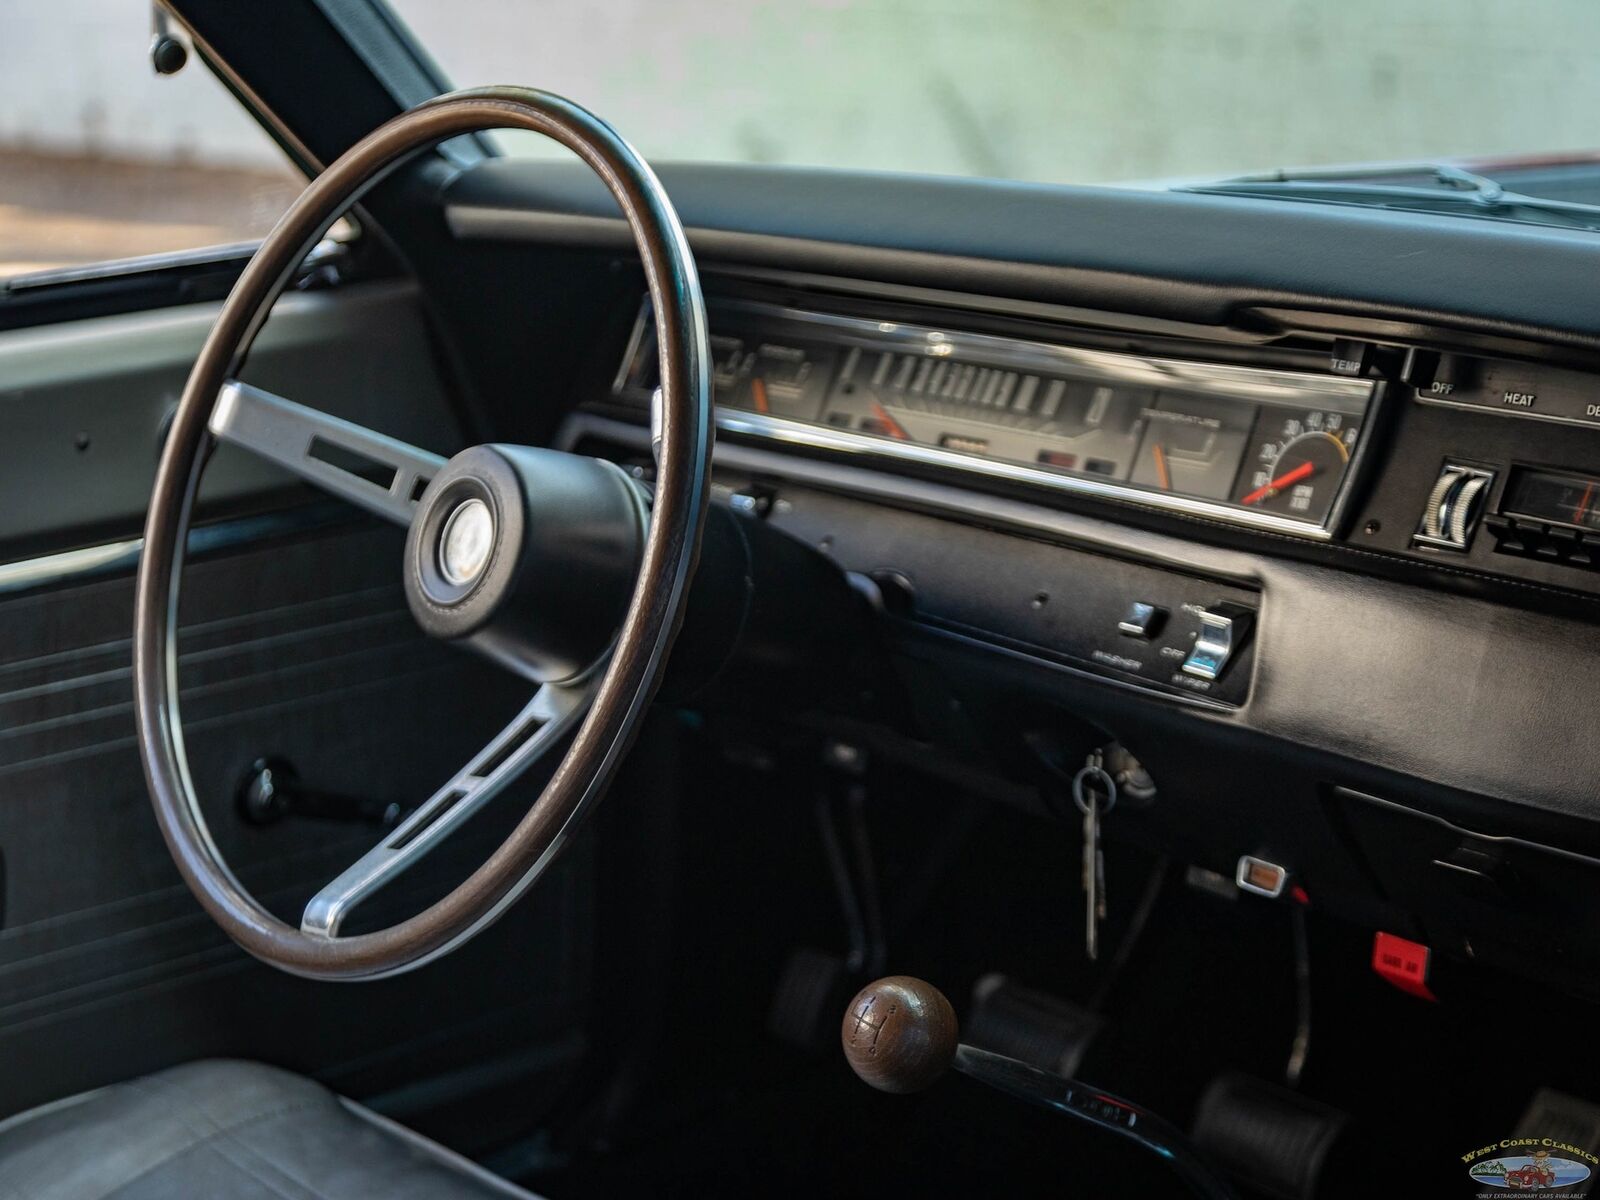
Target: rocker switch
[[1224, 629]]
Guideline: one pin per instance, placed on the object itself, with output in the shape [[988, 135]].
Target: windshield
[[1077, 91]]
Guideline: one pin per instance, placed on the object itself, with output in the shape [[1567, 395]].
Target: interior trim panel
[[86, 404]]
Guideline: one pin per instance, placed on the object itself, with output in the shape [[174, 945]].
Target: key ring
[[1090, 771]]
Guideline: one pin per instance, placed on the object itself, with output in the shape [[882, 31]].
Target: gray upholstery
[[224, 1130]]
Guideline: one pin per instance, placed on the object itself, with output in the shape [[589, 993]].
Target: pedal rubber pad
[[1271, 1139], [1037, 1028]]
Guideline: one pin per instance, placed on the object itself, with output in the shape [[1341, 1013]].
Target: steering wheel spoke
[[379, 473], [541, 724]]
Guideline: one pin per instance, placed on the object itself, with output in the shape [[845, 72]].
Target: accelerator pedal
[[1270, 1139]]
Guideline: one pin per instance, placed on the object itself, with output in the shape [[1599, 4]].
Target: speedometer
[[1300, 464]]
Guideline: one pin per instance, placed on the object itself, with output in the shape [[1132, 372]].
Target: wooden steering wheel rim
[[654, 611]]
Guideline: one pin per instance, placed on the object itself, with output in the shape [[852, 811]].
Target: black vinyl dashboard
[[1302, 504]]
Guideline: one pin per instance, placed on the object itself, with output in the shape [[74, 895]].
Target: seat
[[223, 1130]]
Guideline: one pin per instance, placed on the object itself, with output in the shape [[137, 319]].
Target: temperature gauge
[[1300, 463]]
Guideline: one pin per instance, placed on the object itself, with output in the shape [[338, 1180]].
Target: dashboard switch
[[1403, 963], [752, 501], [1350, 357], [1453, 506], [1224, 628], [1142, 621]]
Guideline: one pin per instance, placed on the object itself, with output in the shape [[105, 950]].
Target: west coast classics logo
[[1530, 1165]]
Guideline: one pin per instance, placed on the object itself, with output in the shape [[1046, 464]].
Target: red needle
[[896, 430], [1281, 482], [1162, 474]]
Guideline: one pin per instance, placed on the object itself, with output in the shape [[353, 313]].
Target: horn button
[[465, 542], [528, 554]]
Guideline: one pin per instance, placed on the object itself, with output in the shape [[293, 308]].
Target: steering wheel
[[560, 568]]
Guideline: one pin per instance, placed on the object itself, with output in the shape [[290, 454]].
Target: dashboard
[[1299, 505], [1357, 448]]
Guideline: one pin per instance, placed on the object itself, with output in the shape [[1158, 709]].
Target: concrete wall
[[1040, 89]]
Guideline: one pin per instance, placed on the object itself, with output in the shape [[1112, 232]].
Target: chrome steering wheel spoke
[[379, 473], [554, 710]]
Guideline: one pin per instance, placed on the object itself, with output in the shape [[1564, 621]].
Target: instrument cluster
[[1268, 448]]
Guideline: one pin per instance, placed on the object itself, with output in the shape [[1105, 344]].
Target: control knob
[[1453, 507]]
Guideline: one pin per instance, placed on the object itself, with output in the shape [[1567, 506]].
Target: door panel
[[84, 404], [294, 643]]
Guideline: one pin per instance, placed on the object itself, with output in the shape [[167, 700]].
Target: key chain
[[1093, 807]]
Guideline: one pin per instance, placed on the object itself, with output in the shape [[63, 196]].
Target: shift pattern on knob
[[899, 1034]]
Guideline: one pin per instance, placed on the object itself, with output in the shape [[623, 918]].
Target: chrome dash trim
[[1232, 381], [819, 437], [1028, 516]]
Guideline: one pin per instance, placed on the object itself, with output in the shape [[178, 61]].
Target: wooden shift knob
[[899, 1034]]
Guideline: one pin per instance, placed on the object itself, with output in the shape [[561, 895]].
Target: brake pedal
[[1041, 1030], [1271, 1139], [804, 1010]]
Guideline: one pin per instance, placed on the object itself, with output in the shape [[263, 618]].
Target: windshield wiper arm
[[1455, 190]]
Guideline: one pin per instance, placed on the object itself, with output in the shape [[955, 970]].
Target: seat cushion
[[229, 1131]]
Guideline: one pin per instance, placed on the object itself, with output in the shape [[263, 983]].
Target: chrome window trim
[[299, 158], [87, 563], [220, 254], [1270, 385]]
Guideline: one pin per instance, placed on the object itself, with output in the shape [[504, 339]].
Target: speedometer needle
[[1277, 485]]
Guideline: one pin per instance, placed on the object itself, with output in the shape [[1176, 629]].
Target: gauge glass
[[1299, 464]]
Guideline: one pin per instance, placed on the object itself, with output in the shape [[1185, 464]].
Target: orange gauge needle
[[896, 430], [758, 393], [1277, 485], [1163, 476]]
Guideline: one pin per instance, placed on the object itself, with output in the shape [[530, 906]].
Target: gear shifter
[[900, 1035]]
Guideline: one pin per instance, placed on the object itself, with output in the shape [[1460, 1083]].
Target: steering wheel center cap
[[530, 552], [466, 542]]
